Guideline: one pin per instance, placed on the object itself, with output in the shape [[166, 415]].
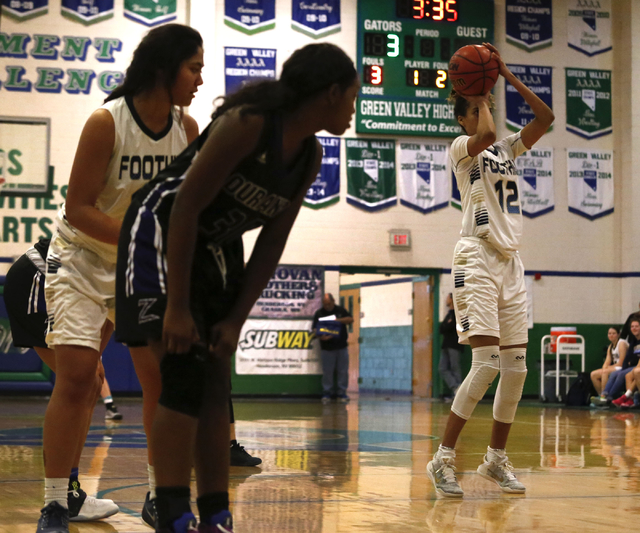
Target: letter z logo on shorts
[[145, 316]]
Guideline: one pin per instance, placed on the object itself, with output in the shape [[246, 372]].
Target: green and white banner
[[589, 26], [424, 181], [535, 181], [588, 102], [371, 173], [590, 182], [150, 12]]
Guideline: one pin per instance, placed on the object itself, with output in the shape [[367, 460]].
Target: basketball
[[472, 70]]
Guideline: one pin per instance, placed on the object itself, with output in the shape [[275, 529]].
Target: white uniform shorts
[[489, 296], [80, 294]]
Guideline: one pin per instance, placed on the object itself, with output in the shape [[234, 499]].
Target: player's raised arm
[[479, 125], [544, 116]]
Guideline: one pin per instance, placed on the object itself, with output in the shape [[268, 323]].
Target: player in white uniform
[[489, 292], [135, 134]]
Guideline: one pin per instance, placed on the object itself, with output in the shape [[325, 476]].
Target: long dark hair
[[158, 58], [309, 71], [617, 329]]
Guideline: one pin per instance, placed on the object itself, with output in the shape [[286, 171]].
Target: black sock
[[234, 442], [108, 405], [74, 484], [211, 504], [171, 504]]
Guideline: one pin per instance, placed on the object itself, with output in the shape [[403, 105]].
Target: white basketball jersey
[[489, 192], [138, 155]]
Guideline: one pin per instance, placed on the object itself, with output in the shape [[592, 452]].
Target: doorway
[[392, 337]]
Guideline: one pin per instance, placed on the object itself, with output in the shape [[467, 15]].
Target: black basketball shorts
[[24, 300]]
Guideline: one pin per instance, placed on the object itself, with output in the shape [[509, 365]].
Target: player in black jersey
[[181, 284], [24, 300]]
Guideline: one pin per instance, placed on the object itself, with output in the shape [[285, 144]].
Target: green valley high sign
[[404, 47]]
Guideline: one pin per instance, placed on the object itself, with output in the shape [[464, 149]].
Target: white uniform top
[[615, 352], [138, 155], [488, 186]]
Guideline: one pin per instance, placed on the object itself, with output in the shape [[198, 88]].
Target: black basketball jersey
[[257, 190]]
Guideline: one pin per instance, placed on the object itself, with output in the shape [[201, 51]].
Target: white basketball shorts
[[489, 296], [80, 294]]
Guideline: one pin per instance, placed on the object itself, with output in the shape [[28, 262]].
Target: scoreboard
[[404, 47]]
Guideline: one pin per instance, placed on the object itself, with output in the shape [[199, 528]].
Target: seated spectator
[[625, 332], [617, 380], [615, 353]]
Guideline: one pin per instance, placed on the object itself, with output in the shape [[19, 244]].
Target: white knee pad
[[484, 369], [513, 371]]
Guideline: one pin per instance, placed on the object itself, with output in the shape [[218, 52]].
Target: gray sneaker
[[442, 473], [501, 473]]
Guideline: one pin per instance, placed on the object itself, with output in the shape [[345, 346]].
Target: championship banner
[[588, 102], [424, 181], [590, 182], [316, 18], [294, 291], [277, 347], [535, 181], [250, 16], [371, 173], [325, 190], [150, 12], [245, 65], [529, 24], [538, 79], [22, 10], [456, 200], [87, 12], [589, 26]]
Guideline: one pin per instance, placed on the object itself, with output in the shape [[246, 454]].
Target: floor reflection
[[359, 467]]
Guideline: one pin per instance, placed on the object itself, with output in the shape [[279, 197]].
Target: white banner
[[589, 26], [590, 182], [424, 181], [294, 291], [277, 347], [535, 181]]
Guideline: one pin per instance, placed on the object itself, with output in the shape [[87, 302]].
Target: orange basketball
[[472, 70]]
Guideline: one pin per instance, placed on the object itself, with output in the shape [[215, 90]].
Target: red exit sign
[[400, 239]]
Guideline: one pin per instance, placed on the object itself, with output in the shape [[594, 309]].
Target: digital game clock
[[404, 47]]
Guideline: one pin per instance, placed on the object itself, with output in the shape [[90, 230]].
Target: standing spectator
[[449, 366], [333, 349]]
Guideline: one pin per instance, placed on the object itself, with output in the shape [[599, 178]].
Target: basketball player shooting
[[489, 296]]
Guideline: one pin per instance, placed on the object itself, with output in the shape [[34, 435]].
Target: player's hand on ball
[[179, 331], [504, 70]]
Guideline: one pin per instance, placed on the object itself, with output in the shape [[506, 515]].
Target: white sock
[[55, 490], [443, 451], [494, 455], [628, 393], [152, 482]]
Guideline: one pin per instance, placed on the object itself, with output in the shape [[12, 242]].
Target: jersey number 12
[[512, 197]]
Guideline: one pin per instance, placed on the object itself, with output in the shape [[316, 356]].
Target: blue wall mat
[[386, 359]]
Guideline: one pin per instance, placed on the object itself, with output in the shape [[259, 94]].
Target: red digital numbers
[[373, 74]]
